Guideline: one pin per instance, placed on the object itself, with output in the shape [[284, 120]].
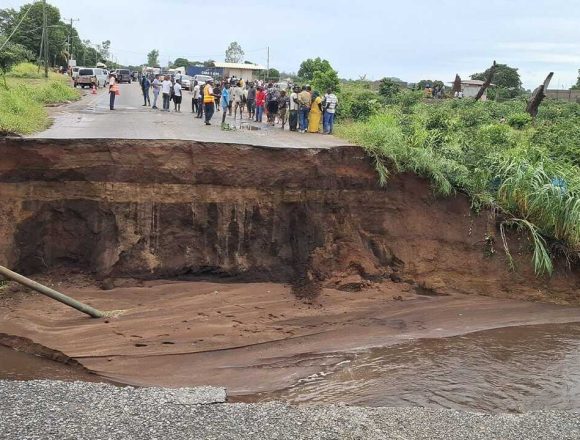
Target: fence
[[564, 95]]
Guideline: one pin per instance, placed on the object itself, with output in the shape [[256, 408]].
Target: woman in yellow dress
[[315, 114]]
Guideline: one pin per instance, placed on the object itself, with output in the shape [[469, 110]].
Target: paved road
[[58, 410], [91, 118]]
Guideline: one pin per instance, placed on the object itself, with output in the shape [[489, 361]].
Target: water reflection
[[505, 370]]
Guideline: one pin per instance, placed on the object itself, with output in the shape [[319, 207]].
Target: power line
[[17, 26]]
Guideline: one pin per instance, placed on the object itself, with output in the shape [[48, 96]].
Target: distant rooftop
[[470, 82], [241, 66]]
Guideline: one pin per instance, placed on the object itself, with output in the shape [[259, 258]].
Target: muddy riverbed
[[383, 346]]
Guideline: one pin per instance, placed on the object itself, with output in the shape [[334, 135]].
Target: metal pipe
[[7, 273]]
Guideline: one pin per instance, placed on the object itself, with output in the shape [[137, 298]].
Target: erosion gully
[[278, 273]]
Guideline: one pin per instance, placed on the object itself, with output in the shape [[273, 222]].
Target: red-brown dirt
[[389, 263], [153, 209]]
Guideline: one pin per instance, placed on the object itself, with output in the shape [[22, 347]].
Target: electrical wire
[[17, 26]]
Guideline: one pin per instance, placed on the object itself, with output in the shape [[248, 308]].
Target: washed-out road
[[91, 118]]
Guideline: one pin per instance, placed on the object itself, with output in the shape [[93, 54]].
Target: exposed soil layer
[[250, 223], [316, 218]]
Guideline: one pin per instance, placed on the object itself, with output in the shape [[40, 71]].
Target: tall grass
[[528, 171], [22, 105]]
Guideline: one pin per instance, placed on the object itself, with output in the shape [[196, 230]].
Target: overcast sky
[[412, 39]]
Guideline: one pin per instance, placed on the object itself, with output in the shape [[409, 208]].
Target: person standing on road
[[113, 90], [200, 101], [305, 101], [251, 101], [225, 101], [238, 98], [195, 97], [260, 101], [208, 101], [294, 107], [145, 85], [272, 98], [315, 115], [283, 103], [330, 104], [177, 95], [166, 91], [156, 84]]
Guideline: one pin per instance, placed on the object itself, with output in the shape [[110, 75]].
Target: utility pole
[[70, 39], [45, 32], [268, 64]]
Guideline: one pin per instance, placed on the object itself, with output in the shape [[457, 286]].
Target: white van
[[202, 79], [87, 76]]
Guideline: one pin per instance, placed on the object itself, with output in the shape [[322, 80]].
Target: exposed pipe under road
[[7, 273]]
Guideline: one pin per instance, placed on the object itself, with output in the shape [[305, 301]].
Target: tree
[[106, 49], [429, 83], [10, 55], [272, 73], [153, 58], [181, 62], [577, 86], [505, 77], [457, 84], [323, 81], [29, 33], [209, 63], [310, 66], [388, 88], [234, 53]]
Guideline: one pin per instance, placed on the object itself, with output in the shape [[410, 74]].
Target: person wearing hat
[[208, 101]]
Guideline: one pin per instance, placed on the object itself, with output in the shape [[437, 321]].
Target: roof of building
[[470, 82], [240, 66]]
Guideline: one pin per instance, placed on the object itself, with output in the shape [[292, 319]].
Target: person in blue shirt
[[225, 101]]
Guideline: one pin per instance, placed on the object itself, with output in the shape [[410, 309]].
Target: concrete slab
[[91, 118]]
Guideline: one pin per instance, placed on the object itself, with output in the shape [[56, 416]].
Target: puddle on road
[[504, 370]]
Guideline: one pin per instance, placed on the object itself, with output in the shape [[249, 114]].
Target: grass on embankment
[[22, 105], [529, 171]]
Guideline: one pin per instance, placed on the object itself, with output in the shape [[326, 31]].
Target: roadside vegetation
[[25, 94], [527, 170]]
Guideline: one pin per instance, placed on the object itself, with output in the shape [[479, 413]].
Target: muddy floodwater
[[16, 365], [510, 369]]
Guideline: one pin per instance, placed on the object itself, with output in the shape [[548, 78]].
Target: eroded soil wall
[[149, 209]]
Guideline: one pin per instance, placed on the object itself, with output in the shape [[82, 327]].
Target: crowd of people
[[301, 108]]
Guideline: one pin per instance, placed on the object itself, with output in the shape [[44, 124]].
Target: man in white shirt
[[238, 98], [330, 104], [166, 91], [156, 84], [177, 96], [293, 107], [195, 97]]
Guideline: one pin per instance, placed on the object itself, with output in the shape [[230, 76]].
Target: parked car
[[87, 76], [122, 75], [186, 82], [202, 79]]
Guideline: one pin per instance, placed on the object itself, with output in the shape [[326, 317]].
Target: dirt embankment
[[152, 209]]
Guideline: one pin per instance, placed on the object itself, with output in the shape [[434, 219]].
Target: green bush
[[519, 120]]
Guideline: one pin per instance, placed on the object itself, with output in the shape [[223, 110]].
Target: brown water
[[505, 370], [16, 365], [512, 369]]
